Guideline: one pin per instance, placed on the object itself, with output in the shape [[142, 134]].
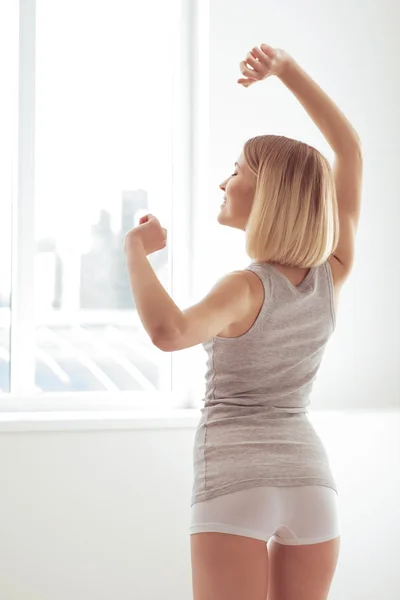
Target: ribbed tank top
[[254, 429]]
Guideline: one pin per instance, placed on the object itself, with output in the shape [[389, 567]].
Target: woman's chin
[[221, 218]]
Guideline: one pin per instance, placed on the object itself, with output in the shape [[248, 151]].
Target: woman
[[264, 506]]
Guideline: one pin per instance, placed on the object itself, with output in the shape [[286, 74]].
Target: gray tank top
[[254, 429]]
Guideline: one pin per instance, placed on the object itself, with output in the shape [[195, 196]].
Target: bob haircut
[[294, 217]]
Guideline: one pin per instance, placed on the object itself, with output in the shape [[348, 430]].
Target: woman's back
[[275, 362], [258, 387]]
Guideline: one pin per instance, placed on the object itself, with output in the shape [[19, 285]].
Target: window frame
[[189, 148]]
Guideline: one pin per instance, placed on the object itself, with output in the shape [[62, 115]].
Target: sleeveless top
[[254, 429]]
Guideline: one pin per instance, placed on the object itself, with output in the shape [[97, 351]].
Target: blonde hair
[[294, 217]]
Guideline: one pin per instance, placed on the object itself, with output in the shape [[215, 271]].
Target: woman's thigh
[[302, 572], [228, 567]]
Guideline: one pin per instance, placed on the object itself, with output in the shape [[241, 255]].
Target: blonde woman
[[264, 521]]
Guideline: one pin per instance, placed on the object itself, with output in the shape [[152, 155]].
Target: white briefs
[[288, 515]]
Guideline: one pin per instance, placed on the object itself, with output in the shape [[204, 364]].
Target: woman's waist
[[232, 424], [262, 407]]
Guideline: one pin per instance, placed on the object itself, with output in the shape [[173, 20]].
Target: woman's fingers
[[253, 62], [268, 50], [257, 65], [258, 53], [247, 72], [246, 82], [262, 60]]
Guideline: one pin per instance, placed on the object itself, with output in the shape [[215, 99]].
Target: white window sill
[[95, 420], [95, 411]]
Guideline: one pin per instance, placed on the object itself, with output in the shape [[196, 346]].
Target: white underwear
[[288, 515]]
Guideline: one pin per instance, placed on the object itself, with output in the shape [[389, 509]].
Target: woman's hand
[[148, 234], [265, 62]]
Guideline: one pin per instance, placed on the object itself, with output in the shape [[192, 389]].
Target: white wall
[[350, 49], [99, 515]]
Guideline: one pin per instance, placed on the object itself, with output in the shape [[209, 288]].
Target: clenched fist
[[148, 233]]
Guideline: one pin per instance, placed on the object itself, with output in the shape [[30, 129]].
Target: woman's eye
[[233, 174]]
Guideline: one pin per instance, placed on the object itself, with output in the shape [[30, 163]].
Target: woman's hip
[[291, 515]]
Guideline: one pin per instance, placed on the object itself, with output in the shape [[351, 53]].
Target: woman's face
[[239, 191]]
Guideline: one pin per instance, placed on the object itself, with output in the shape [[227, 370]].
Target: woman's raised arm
[[337, 130]]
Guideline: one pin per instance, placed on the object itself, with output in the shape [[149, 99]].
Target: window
[[104, 95], [8, 70]]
